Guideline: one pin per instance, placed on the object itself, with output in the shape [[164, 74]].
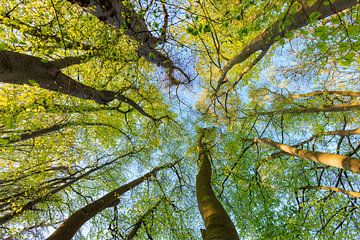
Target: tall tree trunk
[[73, 223], [329, 159], [217, 222]]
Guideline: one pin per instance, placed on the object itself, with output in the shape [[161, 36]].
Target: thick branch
[[329, 159], [278, 30], [350, 132], [74, 222]]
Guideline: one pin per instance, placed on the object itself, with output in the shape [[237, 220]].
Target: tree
[[179, 119]]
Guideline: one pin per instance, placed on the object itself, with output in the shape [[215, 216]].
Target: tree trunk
[[73, 223], [329, 159], [217, 222]]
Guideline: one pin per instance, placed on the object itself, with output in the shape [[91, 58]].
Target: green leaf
[[322, 46], [314, 15], [3, 142], [3, 46], [206, 28], [32, 82]]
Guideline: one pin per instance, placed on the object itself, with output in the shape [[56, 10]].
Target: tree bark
[[355, 131], [278, 30], [329, 159], [217, 222], [74, 222]]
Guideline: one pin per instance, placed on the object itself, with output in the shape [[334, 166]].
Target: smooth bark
[[217, 222], [329, 159]]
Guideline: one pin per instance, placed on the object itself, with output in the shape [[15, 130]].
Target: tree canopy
[[176, 119]]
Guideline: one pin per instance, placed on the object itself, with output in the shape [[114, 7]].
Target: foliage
[[59, 152]]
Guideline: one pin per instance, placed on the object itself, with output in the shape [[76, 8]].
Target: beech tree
[[171, 119]]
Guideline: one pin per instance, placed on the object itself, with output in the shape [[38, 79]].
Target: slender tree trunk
[[329, 159], [74, 222], [217, 222]]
